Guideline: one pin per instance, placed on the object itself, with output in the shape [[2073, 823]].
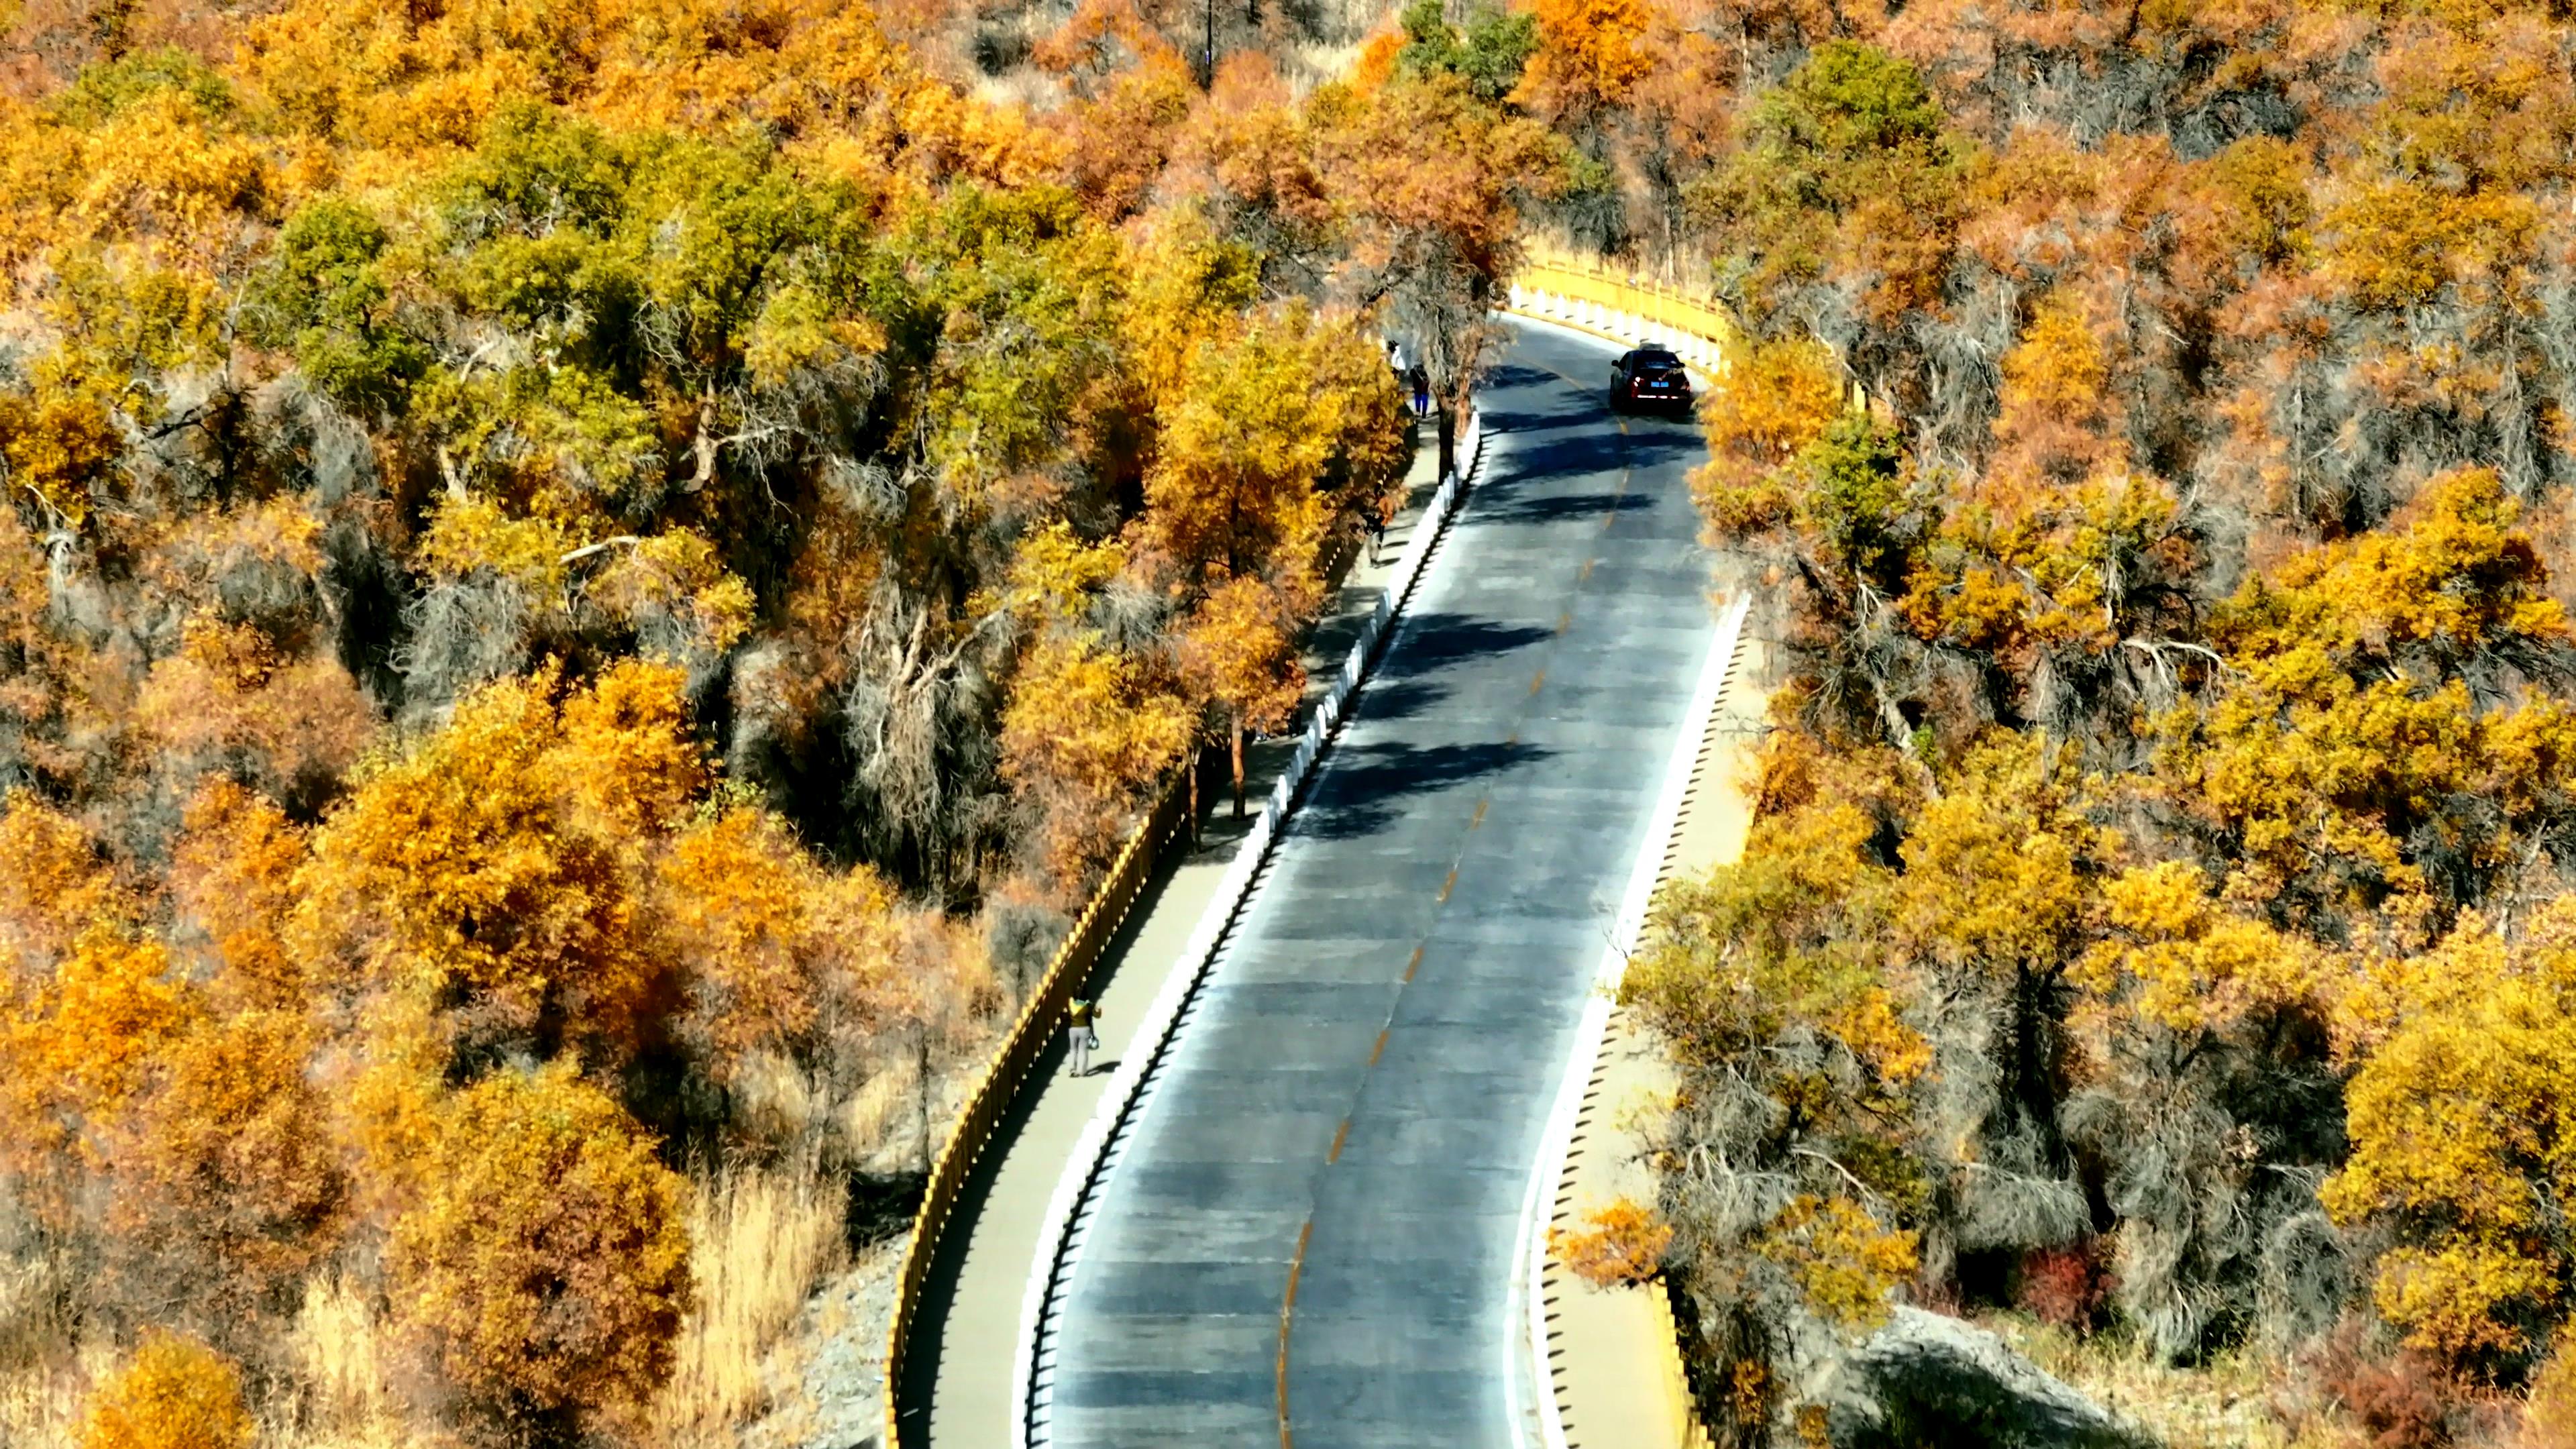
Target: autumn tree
[[548, 1261], [2459, 1121], [1431, 181], [1852, 169], [173, 1393], [1239, 654], [1088, 721], [225, 1169], [459, 873], [1805, 1197], [1489, 52]]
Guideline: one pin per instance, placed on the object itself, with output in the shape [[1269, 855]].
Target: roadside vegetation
[[2158, 926], [584, 590]]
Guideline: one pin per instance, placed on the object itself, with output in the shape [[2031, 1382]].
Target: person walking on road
[[1421, 381], [1379, 519], [1080, 1039]]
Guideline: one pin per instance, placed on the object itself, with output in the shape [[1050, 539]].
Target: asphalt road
[[1307, 1237]]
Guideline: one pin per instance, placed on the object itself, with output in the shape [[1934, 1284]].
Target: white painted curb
[[1059, 1238], [1549, 1170]]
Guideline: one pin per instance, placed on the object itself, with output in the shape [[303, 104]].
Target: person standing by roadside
[[1080, 1039]]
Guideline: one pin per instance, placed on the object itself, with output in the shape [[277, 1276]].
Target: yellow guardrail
[[1589, 293], [1039, 1020], [1596, 296], [1695, 1433]]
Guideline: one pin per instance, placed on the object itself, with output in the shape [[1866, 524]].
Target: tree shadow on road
[[1437, 640], [1592, 453], [1398, 699], [1366, 787], [1560, 507]]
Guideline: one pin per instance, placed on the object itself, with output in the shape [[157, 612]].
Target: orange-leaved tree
[[226, 1170], [1240, 653], [174, 1393], [1430, 182], [465, 872], [547, 1259]]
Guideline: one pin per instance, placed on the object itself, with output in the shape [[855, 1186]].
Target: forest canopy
[[2156, 922], [584, 592]]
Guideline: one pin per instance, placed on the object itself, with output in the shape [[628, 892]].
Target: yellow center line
[[1342, 1134], [1287, 1311]]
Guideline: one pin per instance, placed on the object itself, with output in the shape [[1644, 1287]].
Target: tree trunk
[[1238, 764], [1448, 439], [1193, 767]]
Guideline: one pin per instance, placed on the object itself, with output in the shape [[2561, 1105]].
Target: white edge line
[[1155, 1031], [1547, 1173]]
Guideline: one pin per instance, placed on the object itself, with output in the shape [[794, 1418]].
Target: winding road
[[1307, 1234]]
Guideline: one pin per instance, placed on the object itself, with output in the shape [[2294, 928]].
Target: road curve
[[1306, 1238]]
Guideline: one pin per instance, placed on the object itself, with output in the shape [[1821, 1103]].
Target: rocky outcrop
[[1927, 1380]]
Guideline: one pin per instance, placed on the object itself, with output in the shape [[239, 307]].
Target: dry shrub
[[2350, 1380], [774, 1101], [2064, 1287], [2549, 1418], [175, 1393], [1625, 1244], [761, 1241], [882, 1121]]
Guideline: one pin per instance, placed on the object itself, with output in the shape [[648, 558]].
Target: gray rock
[[1927, 1380]]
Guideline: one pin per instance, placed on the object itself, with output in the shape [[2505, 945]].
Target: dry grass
[[40, 1402], [2225, 1403], [761, 1241], [881, 1123], [45, 1366], [346, 1362]]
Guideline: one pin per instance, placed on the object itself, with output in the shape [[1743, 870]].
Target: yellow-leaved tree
[[2463, 1123], [174, 1393], [1240, 654], [483, 870], [547, 1260]]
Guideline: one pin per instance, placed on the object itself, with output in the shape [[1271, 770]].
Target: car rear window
[[1657, 362]]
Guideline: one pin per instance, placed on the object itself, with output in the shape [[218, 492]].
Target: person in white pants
[[1080, 1039]]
